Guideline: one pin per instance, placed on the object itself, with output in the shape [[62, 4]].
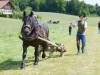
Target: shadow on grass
[[15, 65], [70, 55], [54, 56], [10, 65], [31, 59]]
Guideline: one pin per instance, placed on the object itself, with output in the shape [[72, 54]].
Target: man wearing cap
[[81, 32]]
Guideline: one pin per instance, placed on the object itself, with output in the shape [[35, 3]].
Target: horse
[[49, 21], [55, 22], [30, 31]]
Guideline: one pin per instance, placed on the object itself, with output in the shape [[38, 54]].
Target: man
[[70, 30], [99, 27], [81, 32]]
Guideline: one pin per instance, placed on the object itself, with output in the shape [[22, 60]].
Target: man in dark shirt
[[99, 27], [70, 30]]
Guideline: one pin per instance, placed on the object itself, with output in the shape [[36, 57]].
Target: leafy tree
[[42, 6], [28, 9], [35, 4], [23, 4], [61, 6], [98, 10], [74, 7]]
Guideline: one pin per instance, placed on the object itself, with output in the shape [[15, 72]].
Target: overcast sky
[[93, 2]]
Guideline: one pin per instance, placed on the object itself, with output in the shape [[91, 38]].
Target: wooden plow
[[52, 47]]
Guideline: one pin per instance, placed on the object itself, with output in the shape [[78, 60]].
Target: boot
[[78, 48], [83, 47]]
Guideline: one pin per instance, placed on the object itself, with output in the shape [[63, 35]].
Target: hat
[[82, 15]]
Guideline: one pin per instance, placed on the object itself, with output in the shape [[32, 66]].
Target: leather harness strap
[[41, 33], [28, 39], [38, 32]]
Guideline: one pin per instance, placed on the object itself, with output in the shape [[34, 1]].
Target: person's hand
[[83, 34], [70, 23]]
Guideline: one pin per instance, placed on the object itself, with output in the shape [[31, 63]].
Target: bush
[[17, 15], [4, 15], [39, 17], [20, 15], [10, 15], [94, 15], [0, 14]]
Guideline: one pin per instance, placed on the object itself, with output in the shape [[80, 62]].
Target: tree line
[[73, 7]]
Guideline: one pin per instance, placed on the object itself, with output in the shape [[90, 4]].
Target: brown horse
[[30, 31]]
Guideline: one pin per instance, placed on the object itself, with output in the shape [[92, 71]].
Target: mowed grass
[[70, 64]]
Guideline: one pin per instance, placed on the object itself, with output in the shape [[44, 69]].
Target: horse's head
[[29, 22]]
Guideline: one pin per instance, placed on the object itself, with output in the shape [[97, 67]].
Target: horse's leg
[[23, 57], [36, 56], [44, 48]]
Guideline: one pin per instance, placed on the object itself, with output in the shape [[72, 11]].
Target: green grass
[[70, 64]]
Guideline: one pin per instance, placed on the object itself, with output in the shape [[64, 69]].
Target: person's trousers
[[83, 40]]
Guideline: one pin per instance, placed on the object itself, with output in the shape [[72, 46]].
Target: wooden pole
[[48, 41]]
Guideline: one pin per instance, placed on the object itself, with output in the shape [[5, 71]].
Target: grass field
[[70, 64]]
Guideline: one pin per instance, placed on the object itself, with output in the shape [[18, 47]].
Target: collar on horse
[[27, 39], [33, 35]]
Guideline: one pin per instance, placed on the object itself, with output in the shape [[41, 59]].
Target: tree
[[96, 5], [23, 4], [98, 10], [61, 6], [28, 9], [73, 7], [42, 6], [35, 5]]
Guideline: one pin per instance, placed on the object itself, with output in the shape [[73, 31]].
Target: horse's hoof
[[78, 53], [43, 55], [35, 63]]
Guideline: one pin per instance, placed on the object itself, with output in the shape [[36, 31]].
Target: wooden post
[[48, 41]]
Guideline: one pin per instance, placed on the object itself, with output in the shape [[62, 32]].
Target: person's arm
[[74, 25]]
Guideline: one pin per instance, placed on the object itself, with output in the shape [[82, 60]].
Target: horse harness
[[40, 32]]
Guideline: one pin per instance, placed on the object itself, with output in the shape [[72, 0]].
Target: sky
[[92, 2]]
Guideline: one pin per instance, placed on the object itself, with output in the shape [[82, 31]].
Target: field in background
[[70, 64]]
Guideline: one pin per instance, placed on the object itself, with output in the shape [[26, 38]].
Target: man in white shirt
[[81, 32]]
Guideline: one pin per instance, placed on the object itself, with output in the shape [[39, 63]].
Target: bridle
[[30, 35], [30, 29]]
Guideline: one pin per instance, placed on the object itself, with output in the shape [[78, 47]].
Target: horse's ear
[[24, 13], [31, 14]]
